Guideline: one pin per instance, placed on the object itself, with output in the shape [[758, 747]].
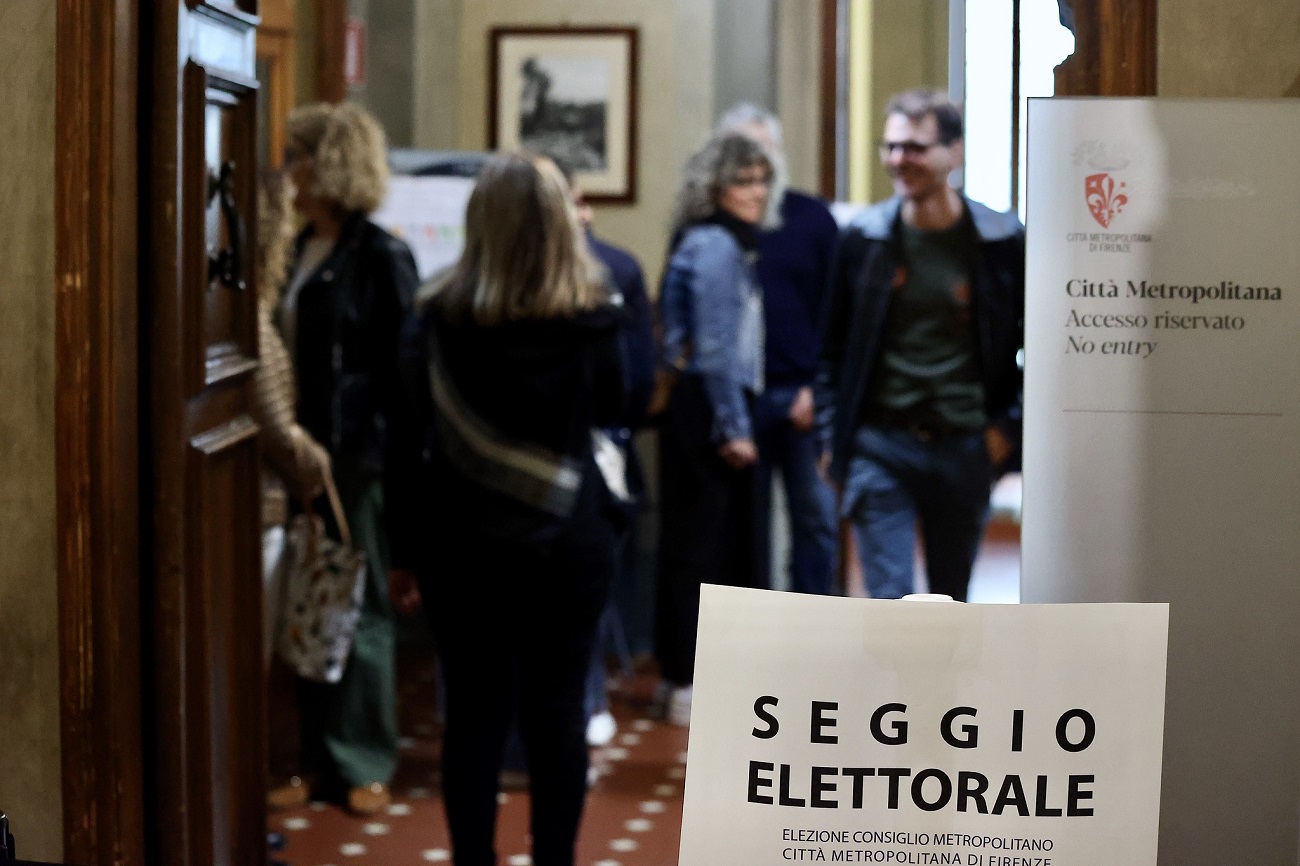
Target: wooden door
[[277, 49], [203, 642]]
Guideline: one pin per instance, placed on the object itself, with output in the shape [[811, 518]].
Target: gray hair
[[742, 117], [710, 169], [746, 114]]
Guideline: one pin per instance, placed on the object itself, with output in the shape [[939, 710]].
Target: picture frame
[[569, 92]]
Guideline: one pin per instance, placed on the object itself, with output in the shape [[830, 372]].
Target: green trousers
[[349, 729]]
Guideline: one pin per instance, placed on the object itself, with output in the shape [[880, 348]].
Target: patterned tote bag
[[324, 584]]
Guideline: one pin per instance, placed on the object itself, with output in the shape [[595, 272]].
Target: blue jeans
[[810, 500], [896, 481]]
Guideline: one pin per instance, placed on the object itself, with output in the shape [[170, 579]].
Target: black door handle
[[227, 265]]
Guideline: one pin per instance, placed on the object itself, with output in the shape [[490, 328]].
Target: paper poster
[[842, 730], [1162, 382], [429, 214]]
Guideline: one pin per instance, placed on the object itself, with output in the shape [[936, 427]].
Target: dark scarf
[[746, 234]]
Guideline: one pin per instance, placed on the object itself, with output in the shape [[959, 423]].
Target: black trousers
[[515, 625], [710, 529]]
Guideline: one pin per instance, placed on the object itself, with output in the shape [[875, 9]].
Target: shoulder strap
[[525, 472]]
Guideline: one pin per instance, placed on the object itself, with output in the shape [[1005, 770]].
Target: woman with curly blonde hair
[[340, 315], [513, 361]]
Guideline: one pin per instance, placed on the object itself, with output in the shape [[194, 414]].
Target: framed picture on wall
[[569, 92]]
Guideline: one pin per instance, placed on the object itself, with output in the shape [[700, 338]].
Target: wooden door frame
[[331, 46], [1115, 55], [97, 432], [277, 41], [1115, 49], [828, 106]]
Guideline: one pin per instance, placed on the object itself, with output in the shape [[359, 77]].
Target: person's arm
[[639, 347], [404, 463], [608, 359], [394, 279], [1002, 437], [844, 269], [717, 299], [394, 282], [824, 234], [289, 450]]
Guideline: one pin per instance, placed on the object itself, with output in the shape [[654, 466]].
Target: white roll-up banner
[[1162, 439]]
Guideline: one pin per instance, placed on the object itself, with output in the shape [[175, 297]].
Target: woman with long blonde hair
[[498, 506]]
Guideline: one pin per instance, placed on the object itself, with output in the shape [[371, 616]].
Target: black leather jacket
[[349, 318], [865, 260]]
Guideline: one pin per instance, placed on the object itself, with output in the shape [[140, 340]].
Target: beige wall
[[676, 96], [437, 75], [29, 673], [680, 81], [744, 53], [1212, 48], [798, 89], [909, 48]]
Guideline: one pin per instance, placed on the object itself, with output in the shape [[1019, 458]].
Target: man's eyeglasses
[[909, 148]]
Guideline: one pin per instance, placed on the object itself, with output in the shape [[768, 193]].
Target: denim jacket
[[711, 309]]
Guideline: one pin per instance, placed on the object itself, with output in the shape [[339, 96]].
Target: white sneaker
[[679, 707], [601, 728]]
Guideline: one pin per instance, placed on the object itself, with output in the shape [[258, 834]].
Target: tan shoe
[[292, 794], [369, 799]]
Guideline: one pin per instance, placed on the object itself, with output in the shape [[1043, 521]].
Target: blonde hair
[[525, 255], [348, 151], [275, 234]]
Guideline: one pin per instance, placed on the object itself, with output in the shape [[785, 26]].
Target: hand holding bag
[[323, 589]]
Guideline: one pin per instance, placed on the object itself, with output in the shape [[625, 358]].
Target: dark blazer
[[867, 255], [639, 353], [349, 317]]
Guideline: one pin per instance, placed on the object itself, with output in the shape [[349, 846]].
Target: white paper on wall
[[429, 214]]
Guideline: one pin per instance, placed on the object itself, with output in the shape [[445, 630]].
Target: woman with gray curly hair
[[711, 312], [341, 314]]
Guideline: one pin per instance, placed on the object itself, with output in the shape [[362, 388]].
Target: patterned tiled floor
[[634, 808], [633, 816]]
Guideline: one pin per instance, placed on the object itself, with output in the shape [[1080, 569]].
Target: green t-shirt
[[928, 366]]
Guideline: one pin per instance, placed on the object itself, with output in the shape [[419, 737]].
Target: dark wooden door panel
[[225, 645], [204, 639], [218, 157]]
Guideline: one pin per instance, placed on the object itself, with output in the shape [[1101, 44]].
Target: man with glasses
[[919, 389]]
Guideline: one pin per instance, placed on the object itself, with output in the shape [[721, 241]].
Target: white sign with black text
[[1162, 429], [841, 730]]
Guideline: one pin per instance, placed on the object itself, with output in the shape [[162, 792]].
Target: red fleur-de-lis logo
[[1105, 197]]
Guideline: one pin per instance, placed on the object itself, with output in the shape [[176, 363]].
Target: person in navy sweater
[[793, 269], [626, 617]]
